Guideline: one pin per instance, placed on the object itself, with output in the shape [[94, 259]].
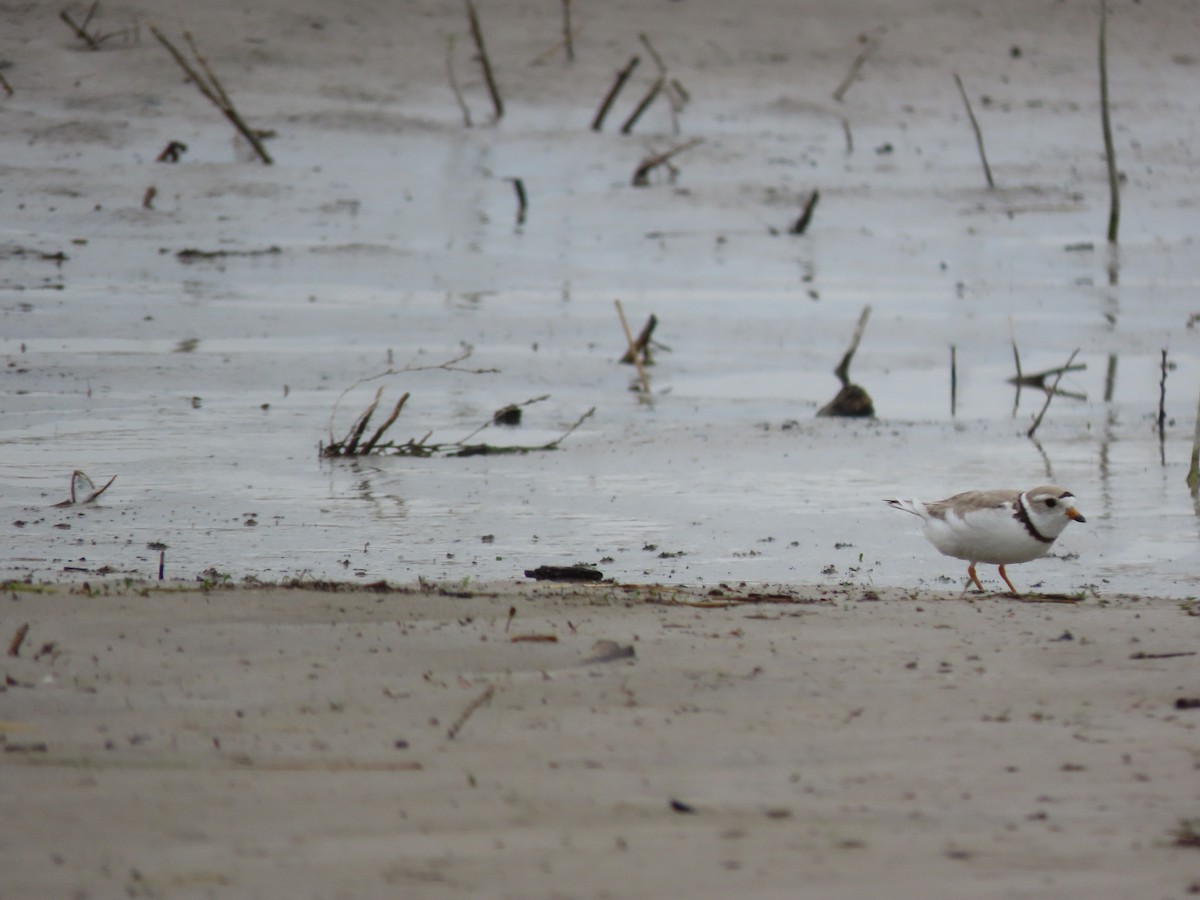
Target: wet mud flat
[[192, 326]]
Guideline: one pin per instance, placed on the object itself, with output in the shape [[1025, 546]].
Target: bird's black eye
[[1051, 503]]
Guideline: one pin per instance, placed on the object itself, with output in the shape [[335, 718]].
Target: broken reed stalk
[[1162, 411], [632, 349], [1110, 156], [484, 60], [568, 39], [848, 135], [802, 223], [1050, 393], [641, 347], [658, 61], [522, 199], [611, 96], [1017, 359], [843, 370], [953, 380], [213, 91], [370, 445], [462, 103], [641, 175], [456, 726], [655, 90], [987, 170], [1110, 378], [360, 425], [1193, 475], [80, 30], [871, 46]]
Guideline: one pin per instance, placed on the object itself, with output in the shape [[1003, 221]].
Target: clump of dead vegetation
[[358, 442]]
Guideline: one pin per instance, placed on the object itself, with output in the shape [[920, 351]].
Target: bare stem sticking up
[[987, 170], [611, 96], [208, 85], [1110, 156], [484, 60]]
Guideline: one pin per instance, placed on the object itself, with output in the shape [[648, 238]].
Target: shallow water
[[207, 386]]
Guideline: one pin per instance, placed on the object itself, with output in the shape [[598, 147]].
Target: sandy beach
[[522, 740]]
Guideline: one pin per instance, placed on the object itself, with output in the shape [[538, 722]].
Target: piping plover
[[996, 527]]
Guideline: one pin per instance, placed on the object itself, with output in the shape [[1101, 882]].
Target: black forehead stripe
[[1065, 494]]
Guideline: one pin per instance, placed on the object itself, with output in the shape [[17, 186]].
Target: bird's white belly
[[994, 539]]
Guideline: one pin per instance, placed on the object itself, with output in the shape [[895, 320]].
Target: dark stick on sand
[[611, 96], [1110, 156], [987, 170], [211, 88], [484, 61], [456, 727]]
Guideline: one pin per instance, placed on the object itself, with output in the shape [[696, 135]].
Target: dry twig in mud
[[1110, 155], [8, 89], [93, 40], [1051, 392], [801, 224], [632, 351], [611, 96], [852, 401], [485, 61], [462, 104], [456, 727], [208, 85], [870, 45], [641, 346], [987, 170], [677, 95], [643, 105], [83, 490], [641, 175]]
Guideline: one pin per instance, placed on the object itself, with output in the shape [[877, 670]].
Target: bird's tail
[[906, 505]]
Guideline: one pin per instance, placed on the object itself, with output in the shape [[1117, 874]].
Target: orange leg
[[975, 578], [1004, 575]]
